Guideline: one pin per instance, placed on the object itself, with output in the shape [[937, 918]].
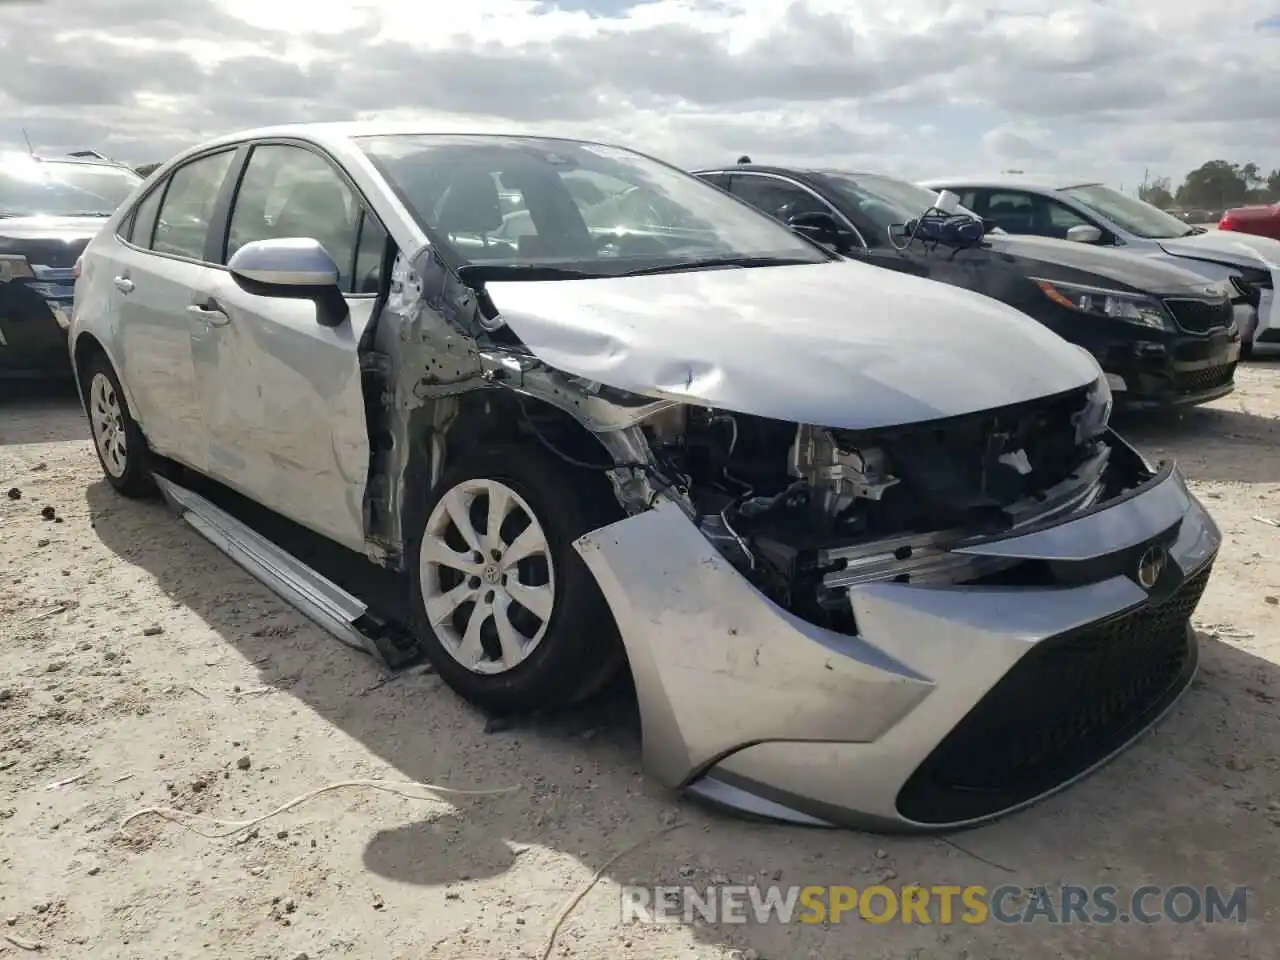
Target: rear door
[[282, 394], [158, 268]]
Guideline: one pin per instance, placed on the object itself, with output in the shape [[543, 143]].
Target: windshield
[[30, 188], [580, 207], [886, 201], [1132, 215]]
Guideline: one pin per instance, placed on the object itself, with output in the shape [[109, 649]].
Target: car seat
[[1011, 217], [318, 210], [471, 205]]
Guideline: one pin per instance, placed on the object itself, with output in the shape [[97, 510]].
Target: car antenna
[[30, 149], [744, 159]]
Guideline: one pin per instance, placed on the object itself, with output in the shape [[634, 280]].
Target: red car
[[1263, 220]]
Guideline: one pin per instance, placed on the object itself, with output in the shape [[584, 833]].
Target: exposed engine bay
[[804, 512]]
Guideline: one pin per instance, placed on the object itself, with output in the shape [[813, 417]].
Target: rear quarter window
[[140, 227]]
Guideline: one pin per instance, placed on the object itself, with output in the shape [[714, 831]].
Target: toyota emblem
[[1150, 566]]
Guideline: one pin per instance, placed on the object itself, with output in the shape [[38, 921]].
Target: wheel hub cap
[[487, 576], [107, 420]]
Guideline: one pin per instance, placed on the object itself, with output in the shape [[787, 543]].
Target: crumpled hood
[[839, 344], [50, 228], [1227, 246], [1126, 270]]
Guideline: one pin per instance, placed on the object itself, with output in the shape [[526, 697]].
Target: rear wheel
[[505, 607], [117, 438]]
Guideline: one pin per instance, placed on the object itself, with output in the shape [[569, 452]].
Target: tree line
[[1217, 185]]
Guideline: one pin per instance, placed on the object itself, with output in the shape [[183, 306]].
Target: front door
[[282, 394]]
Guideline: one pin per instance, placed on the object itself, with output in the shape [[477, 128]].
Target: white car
[[1095, 213], [865, 542]]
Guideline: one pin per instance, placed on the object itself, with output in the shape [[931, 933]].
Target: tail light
[[75, 271], [1227, 222]]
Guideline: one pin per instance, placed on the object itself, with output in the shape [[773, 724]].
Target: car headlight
[[1094, 419], [1100, 302]]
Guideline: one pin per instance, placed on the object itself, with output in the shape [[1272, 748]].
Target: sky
[[1105, 89]]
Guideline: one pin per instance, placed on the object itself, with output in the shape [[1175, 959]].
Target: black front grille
[[1071, 701], [50, 253], [1201, 316], [1197, 381]]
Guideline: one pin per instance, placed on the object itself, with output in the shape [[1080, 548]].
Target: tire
[[117, 438], [560, 660]]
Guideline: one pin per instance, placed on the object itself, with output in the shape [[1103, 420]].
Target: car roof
[[333, 133], [802, 172], [1024, 181]]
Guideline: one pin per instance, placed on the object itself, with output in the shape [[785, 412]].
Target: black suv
[[49, 210]]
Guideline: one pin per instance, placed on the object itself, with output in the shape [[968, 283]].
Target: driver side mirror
[[818, 226], [1084, 233], [293, 268]]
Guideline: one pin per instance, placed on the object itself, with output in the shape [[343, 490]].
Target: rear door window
[[1012, 211], [142, 225]]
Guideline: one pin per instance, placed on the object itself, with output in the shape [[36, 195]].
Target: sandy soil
[[138, 667]]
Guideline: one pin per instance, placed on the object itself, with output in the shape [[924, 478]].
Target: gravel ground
[[140, 668]]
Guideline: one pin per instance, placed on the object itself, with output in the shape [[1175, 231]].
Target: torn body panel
[[802, 510], [735, 340], [859, 594], [751, 707], [419, 358]]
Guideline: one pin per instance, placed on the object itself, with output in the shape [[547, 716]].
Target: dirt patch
[[139, 668]]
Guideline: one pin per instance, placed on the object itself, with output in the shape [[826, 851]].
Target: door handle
[[123, 284], [209, 314]]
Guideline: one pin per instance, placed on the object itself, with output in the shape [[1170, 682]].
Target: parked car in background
[[49, 208], [834, 518], [1262, 220], [1164, 336], [1094, 213]]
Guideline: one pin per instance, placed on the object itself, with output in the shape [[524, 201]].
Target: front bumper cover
[[1173, 371], [751, 707]]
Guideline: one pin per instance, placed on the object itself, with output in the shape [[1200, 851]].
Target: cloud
[[1103, 87]]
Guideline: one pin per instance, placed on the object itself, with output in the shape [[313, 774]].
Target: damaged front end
[[914, 626], [805, 512]]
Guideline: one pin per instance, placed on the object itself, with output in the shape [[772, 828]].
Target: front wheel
[[117, 438], [505, 607]]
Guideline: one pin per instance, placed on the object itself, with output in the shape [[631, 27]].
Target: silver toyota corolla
[[865, 542]]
